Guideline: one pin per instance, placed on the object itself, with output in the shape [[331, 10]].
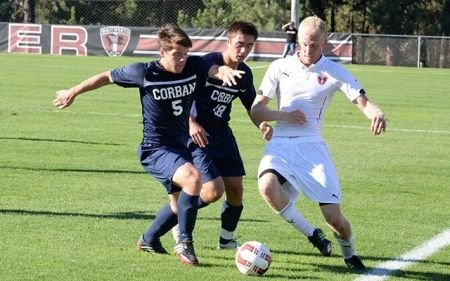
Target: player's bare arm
[[198, 134], [372, 112], [64, 98], [261, 112], [226, 74], [265, 128]]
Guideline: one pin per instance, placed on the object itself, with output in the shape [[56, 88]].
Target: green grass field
[[74, 198]]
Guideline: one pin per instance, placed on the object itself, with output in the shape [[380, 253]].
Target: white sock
[[294, 218], [225, 234], [347, 247]]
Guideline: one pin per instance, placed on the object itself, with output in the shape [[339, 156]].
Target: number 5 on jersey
[[177, 108]]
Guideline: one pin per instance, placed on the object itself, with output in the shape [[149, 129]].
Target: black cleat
[[155, 247], [184, 250], [355, 263], [320, 242]]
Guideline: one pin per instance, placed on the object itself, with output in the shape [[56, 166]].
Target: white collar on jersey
[[312, 66]]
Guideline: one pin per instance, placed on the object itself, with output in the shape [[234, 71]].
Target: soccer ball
[[253, 258]]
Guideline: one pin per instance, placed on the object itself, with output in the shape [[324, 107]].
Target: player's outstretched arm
[[64, 98], [373, 112], [265, 128], [226, 74], [261, 112]]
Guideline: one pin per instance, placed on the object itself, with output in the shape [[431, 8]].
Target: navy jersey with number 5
[[166, 97], [212, 105]]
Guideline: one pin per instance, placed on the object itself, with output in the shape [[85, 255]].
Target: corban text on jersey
[[168, 93]]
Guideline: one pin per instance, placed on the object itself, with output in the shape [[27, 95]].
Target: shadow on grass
[[56, 140], [139, 215], [369, 272], [118, 216], [385, 272], [106, 171]]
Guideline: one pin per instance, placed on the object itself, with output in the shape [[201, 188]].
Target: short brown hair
[[171, 35], [243, 27]]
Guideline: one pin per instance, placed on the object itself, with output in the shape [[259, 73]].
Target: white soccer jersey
[[309, 89]]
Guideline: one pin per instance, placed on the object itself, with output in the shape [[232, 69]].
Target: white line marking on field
[[392, 129], [439, 132], [420, 253], [400, 71]]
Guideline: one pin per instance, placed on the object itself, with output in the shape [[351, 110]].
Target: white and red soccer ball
[[253, 258]]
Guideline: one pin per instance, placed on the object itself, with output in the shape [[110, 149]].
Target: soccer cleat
[[354, 262], [185, 252], [155, 247], [175, 233], [320, 242], [230, 245]]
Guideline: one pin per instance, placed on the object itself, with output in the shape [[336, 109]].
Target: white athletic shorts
[[306, 164]]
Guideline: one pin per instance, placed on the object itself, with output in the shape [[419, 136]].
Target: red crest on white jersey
[[322, 79]]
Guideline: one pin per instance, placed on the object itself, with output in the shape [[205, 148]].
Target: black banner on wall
[[79, 40]]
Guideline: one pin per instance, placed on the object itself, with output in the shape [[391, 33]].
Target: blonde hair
[[313, 24]]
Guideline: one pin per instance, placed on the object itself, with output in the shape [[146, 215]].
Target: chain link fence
[[397, 50], [267, 15]]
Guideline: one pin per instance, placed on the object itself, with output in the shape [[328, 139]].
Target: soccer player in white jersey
[[296, 159], [166, 87]]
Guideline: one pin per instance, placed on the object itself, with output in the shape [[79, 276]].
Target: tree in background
[[412, 17], [220, 13]]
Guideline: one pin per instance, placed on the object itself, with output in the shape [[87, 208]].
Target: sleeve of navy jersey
[[213, 101], [131, 75]]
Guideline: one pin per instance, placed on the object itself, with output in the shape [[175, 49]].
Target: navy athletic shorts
[[162, 162], [220, 157]]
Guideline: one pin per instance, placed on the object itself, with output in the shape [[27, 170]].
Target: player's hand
[[266, 130], [294, 117], [198, 134], [378, 125], [229, 76], [64, 98]]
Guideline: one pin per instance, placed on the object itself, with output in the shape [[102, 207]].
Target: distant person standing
[[291, 38]]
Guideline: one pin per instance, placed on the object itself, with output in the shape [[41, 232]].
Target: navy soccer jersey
[[166, 97], [212, 105]]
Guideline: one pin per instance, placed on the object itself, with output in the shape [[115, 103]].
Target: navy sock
[[201, 203], [187, 214], [164, 221], [230, 216]]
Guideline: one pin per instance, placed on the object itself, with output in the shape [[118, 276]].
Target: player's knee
[[267, 190], [211, 195], [337, 222], [193, 182], [212, 190], [235, 192]]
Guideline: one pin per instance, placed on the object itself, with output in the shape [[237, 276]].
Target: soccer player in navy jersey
[[166, 88], [212, 142]]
